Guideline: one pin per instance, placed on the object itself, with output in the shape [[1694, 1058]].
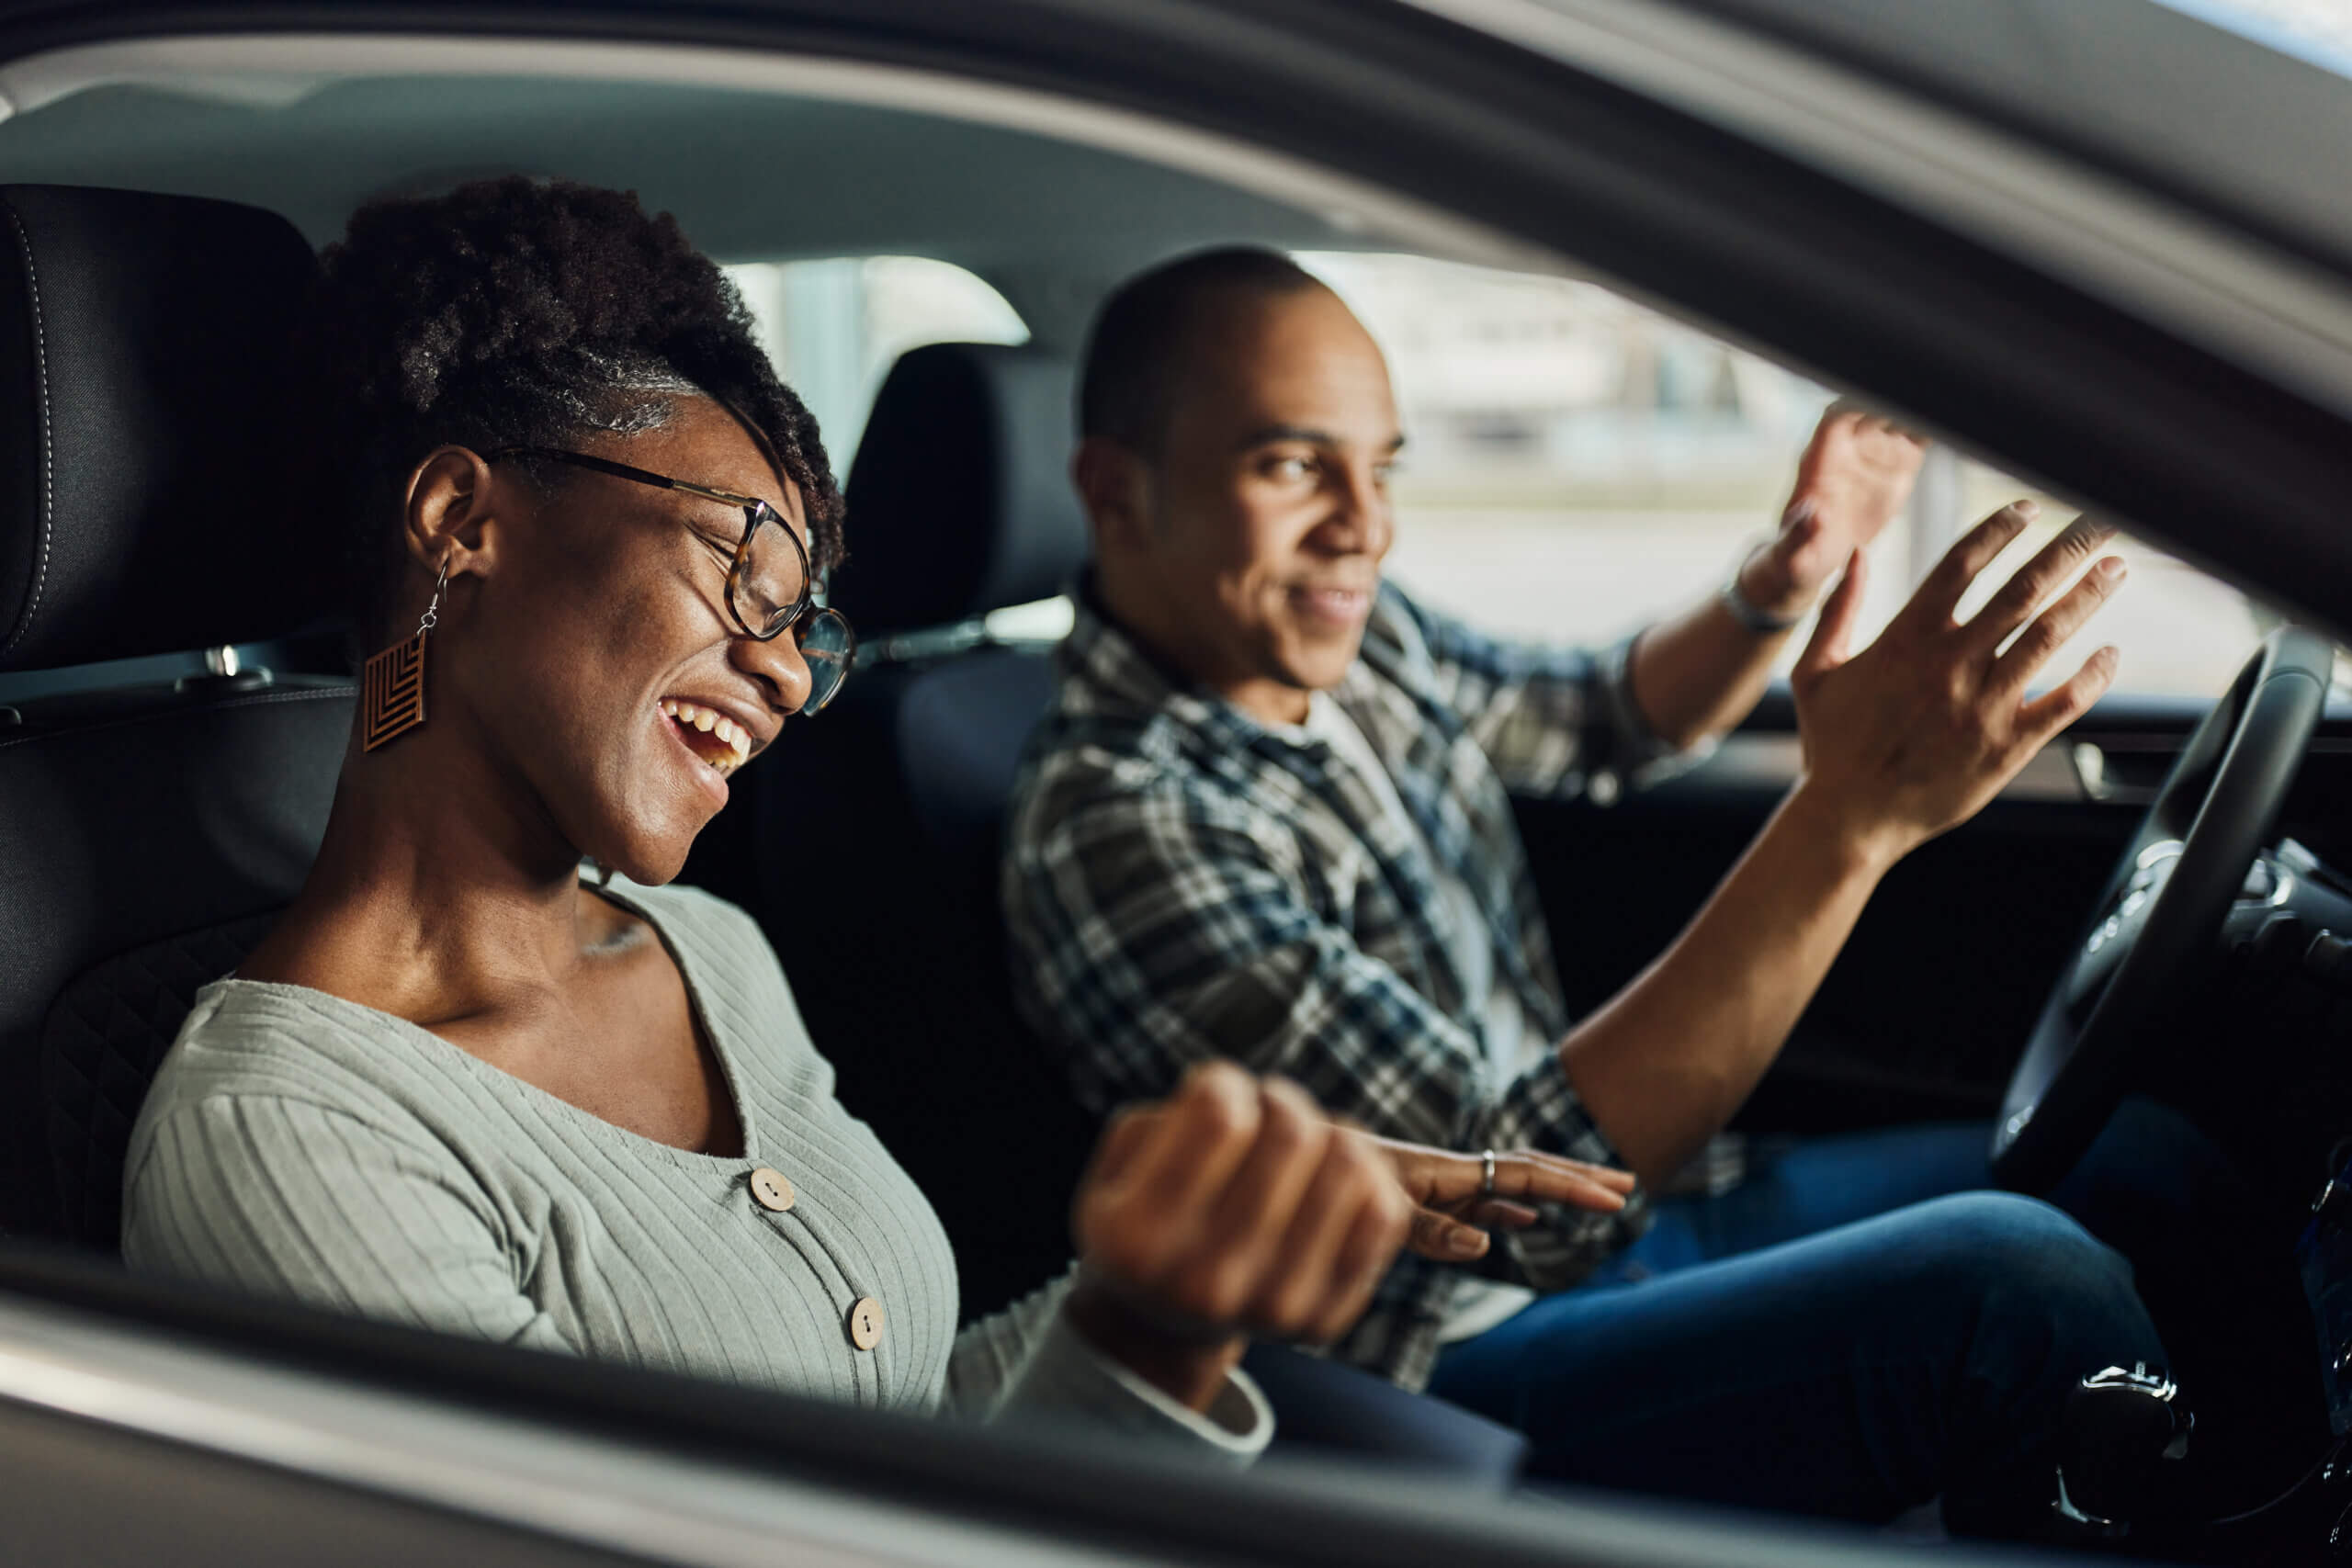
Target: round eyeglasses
[[769, 584]]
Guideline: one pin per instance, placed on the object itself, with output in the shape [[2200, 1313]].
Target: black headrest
[[960, 499], [142, 507]]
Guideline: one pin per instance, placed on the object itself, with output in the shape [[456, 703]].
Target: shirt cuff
[[1542, 1109], [1067, 1377]]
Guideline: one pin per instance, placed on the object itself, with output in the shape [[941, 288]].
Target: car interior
[[176, 696]]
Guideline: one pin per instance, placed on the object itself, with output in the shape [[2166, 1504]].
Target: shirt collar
[[1126, 677]]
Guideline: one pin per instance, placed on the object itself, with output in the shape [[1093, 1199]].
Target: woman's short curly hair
[[523, 312]]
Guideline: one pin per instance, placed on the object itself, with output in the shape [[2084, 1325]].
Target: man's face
[[1263, 521]]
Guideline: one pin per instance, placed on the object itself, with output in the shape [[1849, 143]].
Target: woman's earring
[[392, 690]]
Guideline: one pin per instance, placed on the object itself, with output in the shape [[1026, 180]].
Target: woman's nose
[[777, 665]]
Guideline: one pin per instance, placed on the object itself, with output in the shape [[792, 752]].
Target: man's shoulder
[[1083, 754]]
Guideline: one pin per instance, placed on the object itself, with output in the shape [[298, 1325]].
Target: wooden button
[[865, 1322], [771, 1191]]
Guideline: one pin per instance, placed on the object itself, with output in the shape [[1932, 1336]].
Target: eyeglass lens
[[775, 574], [827, 648]]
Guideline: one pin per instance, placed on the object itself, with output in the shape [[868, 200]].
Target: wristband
[[1744, 610]]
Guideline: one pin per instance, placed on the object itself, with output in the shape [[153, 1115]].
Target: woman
[[457, 1087]]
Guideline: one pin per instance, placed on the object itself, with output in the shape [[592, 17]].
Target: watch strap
[[1744, 611]]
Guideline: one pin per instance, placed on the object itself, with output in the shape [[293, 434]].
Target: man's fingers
[[1445, 1238], [1538, 1179], [1932, 605], [1500, 1214], [1607, 1175], [2015, 668], [2043, 718], [1832, 642], [2014, 603], [1444, 1178]]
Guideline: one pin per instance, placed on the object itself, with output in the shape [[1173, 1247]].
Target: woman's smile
[[710, 744]]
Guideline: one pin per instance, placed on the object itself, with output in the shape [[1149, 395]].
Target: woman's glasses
[[769, 585]]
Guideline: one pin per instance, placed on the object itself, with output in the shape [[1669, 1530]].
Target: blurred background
[[1575, 463]]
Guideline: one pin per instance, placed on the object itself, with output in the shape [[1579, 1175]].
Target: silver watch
[[1744, 610]]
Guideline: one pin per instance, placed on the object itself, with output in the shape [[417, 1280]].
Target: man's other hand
[[1855, 473], [1454, 1209]]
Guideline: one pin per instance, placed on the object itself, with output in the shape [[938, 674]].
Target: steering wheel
[[2155, 932]]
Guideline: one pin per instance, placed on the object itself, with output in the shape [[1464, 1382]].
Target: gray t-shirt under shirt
[[1478, 1303]]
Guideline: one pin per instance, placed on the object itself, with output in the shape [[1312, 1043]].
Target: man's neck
[[1189, 660]]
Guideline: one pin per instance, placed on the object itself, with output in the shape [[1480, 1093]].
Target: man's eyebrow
[[1266, 435]]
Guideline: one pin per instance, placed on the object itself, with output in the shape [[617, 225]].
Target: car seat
[[148, 832], [877, 830]]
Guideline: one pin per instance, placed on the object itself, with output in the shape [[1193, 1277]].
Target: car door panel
[[1924, 1012]]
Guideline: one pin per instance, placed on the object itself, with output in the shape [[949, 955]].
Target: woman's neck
[[438, 891]]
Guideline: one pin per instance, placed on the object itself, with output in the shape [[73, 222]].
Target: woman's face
[[598, 642]]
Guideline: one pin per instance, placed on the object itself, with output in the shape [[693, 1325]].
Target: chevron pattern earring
[[392, 688]]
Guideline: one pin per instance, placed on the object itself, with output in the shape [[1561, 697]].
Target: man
[[1267, 819]]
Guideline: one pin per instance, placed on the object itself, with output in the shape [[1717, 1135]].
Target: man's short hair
[[1135, 351]]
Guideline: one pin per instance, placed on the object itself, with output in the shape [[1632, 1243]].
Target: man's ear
[[450, 516], [1114, 485]]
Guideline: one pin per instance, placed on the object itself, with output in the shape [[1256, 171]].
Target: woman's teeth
[[699, 721]]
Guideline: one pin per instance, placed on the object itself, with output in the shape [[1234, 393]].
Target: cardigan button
[[771, 1191], [865, 1322]]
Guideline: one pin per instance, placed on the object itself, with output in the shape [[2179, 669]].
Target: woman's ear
[[451, 513]]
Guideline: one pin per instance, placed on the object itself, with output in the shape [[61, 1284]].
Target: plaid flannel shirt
[[1182, 883]]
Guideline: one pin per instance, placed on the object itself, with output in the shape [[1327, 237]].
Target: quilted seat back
[[99, 1049], [147, 832]]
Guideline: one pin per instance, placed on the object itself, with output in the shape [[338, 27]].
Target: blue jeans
[[1854, 1330]]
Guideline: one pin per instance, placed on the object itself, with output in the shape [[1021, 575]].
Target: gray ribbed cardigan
[[300, 1144]]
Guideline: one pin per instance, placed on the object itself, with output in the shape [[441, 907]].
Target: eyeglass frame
[[755, 511]]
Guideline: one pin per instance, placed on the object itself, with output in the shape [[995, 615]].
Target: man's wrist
[[1759, 597], [1854, 843]]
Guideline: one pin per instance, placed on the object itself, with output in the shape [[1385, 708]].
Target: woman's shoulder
[[262, 1037], [254, 1041]]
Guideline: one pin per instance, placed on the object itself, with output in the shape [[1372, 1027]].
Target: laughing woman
[[457, 1087]]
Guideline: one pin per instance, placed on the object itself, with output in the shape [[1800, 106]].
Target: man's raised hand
[[1855, 473], [1916, 733]]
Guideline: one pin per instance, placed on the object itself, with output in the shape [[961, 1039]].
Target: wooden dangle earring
[[392, 692]]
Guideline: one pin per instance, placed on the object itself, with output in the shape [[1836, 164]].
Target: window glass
[[1577, 465], [834, 327], [2318, 30]]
